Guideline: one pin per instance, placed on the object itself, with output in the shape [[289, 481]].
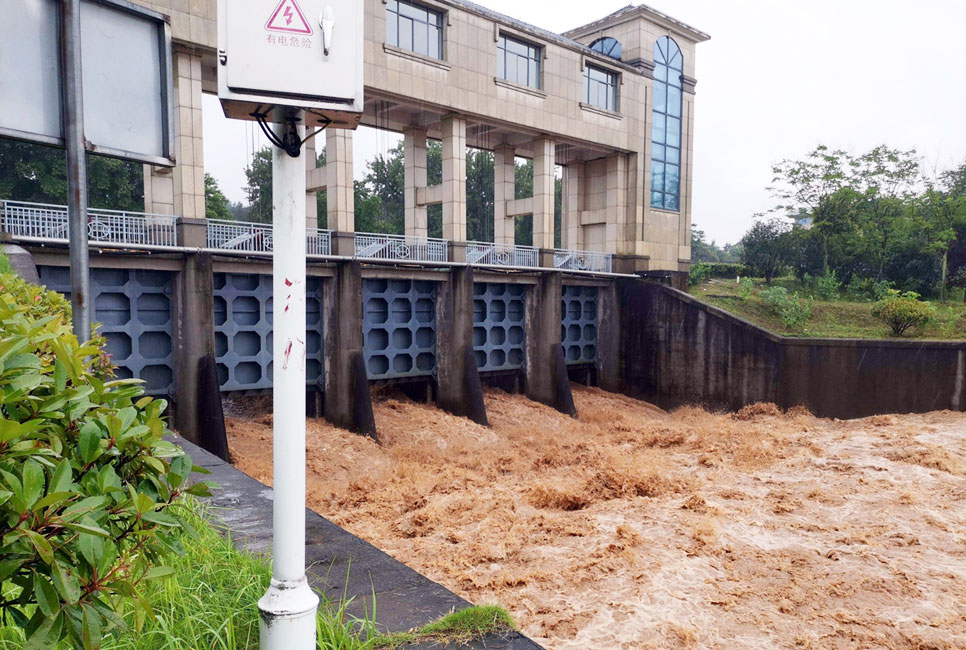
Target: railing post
[[192, 233]]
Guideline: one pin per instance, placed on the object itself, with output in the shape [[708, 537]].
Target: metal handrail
[[48, 221], [258, 237], [490, 254], [400, 248], [576, 260]]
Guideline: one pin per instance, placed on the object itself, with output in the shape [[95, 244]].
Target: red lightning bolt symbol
[[288, 15]]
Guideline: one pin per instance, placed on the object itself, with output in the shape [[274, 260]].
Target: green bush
[[903, 311], [793, 311], [88, 487], [700, 273], [745, 288], [881, 289], [827, 286], [860, 288]]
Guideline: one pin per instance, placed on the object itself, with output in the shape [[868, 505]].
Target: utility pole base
[[288, 612]]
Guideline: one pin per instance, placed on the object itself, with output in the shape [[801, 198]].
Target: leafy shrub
[[700, 273], [39, 303], [827, 286], [881, 289], [793, 311], [903, 311], [88, 487], [860, 288], [745, 288]]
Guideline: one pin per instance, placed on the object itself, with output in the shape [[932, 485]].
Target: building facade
[[611, 104]]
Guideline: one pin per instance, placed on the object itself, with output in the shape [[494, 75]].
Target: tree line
[[881, 217]]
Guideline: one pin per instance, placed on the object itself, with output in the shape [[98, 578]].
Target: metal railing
[[582, 261], [318, 241], [257, 237], [45, 221], [400, 248], [488, 254]]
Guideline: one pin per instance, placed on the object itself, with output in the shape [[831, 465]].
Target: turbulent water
[[634, 528]]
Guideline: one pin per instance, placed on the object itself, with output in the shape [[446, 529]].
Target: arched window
[[666, 130], [608, 47]]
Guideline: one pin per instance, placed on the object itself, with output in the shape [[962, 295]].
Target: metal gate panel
[[499, 333], [399, 328], [578, 331], [134, 309], [243, 331]]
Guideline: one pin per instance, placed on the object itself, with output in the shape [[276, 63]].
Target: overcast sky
[[776, 79]]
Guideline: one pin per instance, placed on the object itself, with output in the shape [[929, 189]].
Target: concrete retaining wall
[[677, 350]]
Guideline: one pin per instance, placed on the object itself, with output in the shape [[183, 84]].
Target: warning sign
[[288, 18]]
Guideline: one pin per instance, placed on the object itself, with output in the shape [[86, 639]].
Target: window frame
[[503, 53], [609, 72], [394, 21], [667, 121]]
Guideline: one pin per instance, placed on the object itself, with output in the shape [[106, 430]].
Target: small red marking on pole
[[288, 18], [288, 353], [288, 282]]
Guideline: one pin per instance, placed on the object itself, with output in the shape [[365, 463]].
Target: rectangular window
[[518, 62], [414, 28], [600, 88]]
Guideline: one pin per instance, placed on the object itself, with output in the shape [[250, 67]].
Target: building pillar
[[617, 241], [194, 339], [311, 200], [454, 180], [342, 317], [609, 376], [417, 223], [458, 382], [181, 190], [543, 323], [340, 192], [504, 191], [570, 219], [544, 152]]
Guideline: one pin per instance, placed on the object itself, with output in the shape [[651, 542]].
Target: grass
[[209, 604], [840, 318]]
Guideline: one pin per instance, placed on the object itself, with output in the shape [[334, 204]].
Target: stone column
[[617, 240], [340, 196], [417, 223], [454, 180], [543, 192], [504, 188], [181, 190], [194, 339], [458, 383], [570, 219], [311, 202]]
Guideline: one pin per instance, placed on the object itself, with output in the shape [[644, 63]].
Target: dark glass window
[[600, 88], [608, 46], [666, 126], [415, 28], [518, 61]]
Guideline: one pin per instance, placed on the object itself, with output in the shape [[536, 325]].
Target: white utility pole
[[289, 607]]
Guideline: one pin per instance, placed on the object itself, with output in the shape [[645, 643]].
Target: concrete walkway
[[340, 565]]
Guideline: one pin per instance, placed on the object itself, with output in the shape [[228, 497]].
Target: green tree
[[37, 173], [766, 247], [259, 186], [216, 203], [938, 214], [884, 179], [701, 250]]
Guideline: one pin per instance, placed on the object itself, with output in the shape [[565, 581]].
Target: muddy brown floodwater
[[634, 528]]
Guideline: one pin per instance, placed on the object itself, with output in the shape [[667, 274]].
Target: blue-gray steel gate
[[499, 335], [399, 328], [243, 331], [578, 331], [134, 309]]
